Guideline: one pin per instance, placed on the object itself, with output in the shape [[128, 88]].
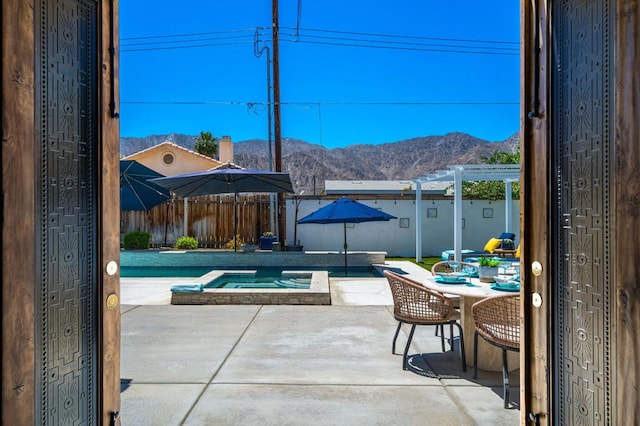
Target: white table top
[[475, 288]]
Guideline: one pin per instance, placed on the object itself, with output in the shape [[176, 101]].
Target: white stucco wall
[[397, 241]]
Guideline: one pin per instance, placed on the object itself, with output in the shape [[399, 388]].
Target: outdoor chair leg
[[405, 364], [393, 347], [462, 351], [505, 378], [442, 336], [451, 336], [475, 354]]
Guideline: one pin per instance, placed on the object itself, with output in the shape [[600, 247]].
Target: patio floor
[[293, 365]]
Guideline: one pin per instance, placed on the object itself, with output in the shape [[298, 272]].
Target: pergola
[[507, 173]]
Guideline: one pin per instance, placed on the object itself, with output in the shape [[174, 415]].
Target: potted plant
[[266, 240], [487, 269]]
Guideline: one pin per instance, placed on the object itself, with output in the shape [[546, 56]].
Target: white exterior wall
[[397, 241]]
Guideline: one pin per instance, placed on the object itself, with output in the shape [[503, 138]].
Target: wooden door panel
[[582, 140], [68, 139], [109, 212], [60, 351], [535, 198], [627, 212], [18, 200]]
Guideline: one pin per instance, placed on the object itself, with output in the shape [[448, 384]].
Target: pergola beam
[[507, 173]]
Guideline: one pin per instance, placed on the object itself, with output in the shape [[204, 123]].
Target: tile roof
[[173, 145]]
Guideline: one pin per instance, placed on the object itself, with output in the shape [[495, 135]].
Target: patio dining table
[[471, 291]]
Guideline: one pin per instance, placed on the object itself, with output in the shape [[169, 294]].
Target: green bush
[[187, 243], [137, 240], [237, 241]]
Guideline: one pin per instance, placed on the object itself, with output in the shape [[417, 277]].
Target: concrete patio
[[293, 365]]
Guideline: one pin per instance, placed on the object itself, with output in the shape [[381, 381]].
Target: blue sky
[[429, 68]]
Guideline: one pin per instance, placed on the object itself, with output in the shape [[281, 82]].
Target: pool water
[[230, 280], [271, 272], [163, 271]]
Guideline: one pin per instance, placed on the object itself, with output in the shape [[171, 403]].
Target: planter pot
[[507, 245], [249, 248], [486, 273], [266, 243]]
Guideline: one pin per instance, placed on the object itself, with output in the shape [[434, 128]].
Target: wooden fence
[[210, 220]]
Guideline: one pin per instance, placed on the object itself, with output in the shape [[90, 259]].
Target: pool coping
[[317, 294]]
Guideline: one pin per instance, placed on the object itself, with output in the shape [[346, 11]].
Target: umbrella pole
[[235, 221], [166, 224], [345, 248]]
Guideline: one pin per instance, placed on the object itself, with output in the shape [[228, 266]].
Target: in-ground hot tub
[[317, 292]]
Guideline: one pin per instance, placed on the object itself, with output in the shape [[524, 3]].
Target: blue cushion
[[507, 236], [448, 253], [187, 288]]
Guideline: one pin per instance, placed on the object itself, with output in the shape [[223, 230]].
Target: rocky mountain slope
[[306, 162]]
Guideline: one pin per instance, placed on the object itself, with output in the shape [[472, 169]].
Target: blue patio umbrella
[[346, 210], [227, 179], [136, 192]]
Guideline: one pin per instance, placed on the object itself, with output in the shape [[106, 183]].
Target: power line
[[408, 36], [362, 39], [185, 47], [477, 52], [184, 34], [404, 43], [187, 40]]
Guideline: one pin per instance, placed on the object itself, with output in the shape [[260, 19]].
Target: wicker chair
[[415, 304], [497, 320], [444, 268]]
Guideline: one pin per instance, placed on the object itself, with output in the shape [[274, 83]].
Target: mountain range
[[309, 165]]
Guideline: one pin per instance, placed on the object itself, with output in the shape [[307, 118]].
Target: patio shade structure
[[346, 210], [227, 179], [508, 173], [136, 190]]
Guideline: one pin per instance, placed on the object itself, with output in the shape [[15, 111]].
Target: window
[[168, 158]]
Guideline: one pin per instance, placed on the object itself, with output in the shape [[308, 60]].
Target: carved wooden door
[[61, 319], [582, 139], [570, 347]]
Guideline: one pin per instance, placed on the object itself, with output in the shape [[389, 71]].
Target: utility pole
[[272, 197], [276, 120]]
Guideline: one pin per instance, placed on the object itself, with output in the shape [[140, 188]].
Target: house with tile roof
[[170, 159]]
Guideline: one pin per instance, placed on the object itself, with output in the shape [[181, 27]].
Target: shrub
[[137, 240], [238, 243], [487, 261], [187, 243]]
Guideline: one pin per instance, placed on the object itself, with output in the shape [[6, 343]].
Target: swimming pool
[[140, 271], [204, 266], [163, 271]]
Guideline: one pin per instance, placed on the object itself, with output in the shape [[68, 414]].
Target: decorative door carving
[[582, 140], [67, 341]]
